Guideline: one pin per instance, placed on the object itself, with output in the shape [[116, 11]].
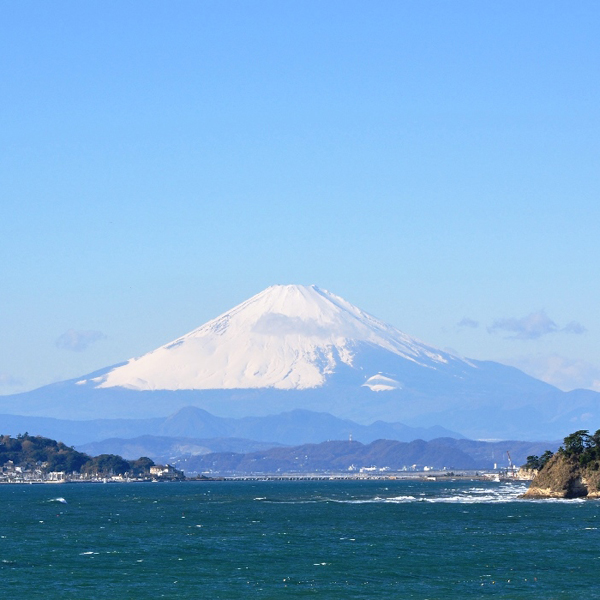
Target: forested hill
[[343, 455], [572, 472], [27, 451]]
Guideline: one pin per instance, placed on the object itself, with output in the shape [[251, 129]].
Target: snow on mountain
[[286, 337], [299, 347], [380, 383]]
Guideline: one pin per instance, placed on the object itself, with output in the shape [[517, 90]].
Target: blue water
[[326, 540]]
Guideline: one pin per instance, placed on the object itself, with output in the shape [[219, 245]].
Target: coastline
[[401, 476]]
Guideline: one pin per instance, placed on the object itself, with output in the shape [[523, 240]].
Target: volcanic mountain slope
[[286, 337], [296, 346]]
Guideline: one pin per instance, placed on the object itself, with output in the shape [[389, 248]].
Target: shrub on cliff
[[535, 463], [583, 447]]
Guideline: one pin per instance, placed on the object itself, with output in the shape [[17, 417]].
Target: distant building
[[166, 472], [8, 467]]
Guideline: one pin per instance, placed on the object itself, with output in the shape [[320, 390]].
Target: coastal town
[[12, 473]]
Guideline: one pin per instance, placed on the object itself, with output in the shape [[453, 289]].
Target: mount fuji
[[301, 347], [288, 337]]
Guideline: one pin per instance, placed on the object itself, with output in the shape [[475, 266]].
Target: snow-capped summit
[[285, 337], [299, 347]]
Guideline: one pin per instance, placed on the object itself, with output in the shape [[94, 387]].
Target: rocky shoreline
[[564, 477]]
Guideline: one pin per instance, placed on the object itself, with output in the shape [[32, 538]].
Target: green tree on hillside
[[583, 447], [36, 451]]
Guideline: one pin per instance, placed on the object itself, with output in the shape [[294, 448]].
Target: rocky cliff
[[565, 477]]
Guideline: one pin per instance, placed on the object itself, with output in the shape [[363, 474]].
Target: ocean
[[302, 539]]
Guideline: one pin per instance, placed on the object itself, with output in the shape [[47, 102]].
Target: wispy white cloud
[[279, 324], [574, 327], [7, 380], [533, 326], [467, 322], [78, 341], [564, 373]]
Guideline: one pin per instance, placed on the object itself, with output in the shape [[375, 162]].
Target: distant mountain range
[[339, 456], [171, 450], [301, 347], [293, 427]]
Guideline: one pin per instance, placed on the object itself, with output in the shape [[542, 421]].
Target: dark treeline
[[581, 445], [29, 451]]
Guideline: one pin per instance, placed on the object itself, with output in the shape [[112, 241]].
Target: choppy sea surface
[[304, 539]]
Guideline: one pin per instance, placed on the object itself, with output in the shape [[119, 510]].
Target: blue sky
[[435, 163]]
